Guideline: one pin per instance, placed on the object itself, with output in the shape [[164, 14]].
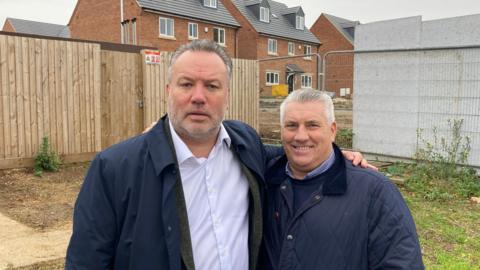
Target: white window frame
[[291, 48], [307, 49], [192, 26], [264, 14], [272, 46], [300, 22], [165, 21], [306, 81], [210, 3], [274, 76], [219, 30]]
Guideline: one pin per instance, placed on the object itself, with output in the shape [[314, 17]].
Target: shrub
[[344, 138], [440, 172], [46, 159]]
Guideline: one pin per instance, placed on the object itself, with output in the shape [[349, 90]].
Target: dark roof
[[39, 28], [192, 9], [279, 25], [294, 68], [344, 26]]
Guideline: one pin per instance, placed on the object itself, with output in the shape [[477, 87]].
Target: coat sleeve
[[272, 152], [93, 241], [393, 241]]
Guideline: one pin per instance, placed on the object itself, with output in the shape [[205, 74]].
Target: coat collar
[[162, 151], [160, 145]]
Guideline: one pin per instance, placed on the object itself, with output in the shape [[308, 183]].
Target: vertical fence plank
[[33, 97], [51, 95], [25, 97], [4, 122], [12, 62]]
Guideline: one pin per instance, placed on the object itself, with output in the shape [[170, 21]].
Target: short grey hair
[[201, 45], [309, 95]]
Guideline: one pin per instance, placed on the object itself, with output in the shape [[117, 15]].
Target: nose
[[301, 134], [198, 94]]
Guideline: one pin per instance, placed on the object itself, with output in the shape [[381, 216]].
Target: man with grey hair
[[323, 213], [185, 195]]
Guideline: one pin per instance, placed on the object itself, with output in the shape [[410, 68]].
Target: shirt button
[[289, 237], [318, 197], [283, 187], [169, 228]]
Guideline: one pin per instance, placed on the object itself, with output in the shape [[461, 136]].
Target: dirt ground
[[42, 203], [35, 216]]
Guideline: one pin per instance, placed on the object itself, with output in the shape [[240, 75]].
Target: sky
[[59, 11]]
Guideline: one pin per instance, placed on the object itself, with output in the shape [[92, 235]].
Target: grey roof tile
[[192, 9], [39, 28], [344, 26], [279, 25]]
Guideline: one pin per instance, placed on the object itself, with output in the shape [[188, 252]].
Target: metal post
[[121, 22], [325, 64]]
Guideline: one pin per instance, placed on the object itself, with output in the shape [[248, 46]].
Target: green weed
[[46, 159]]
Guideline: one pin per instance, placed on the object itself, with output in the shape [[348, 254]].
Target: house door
[[290, 82]]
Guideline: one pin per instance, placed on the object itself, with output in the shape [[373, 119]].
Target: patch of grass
[[448, 231], [439, 173]]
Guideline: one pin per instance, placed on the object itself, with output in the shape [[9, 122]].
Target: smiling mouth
[[302, 147]]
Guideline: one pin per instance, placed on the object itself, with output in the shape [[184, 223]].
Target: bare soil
[[43, 203]]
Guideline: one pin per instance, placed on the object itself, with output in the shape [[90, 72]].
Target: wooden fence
[[48, 88], [85, 98]]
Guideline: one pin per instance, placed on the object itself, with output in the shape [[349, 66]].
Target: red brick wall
[[7, 27], [309, 66], [149, 33], [339, 67], [97, 20], [100, 20], [247, 35]]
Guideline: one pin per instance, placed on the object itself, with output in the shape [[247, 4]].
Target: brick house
[[336, 34], [165, 24], [270, 29], [36, 28]]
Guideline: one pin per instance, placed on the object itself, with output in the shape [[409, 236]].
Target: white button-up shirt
[[216, 196]]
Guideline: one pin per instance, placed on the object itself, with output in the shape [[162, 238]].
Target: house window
[[219, 35], [291, 48], [192, 31], [306, 81], [264, 14], [210, 3], [272, 78], [166, 27], [300, 22], [307, 49], [272, 46]]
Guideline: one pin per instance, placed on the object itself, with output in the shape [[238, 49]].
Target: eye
[[312, 125], [212, 86], [290, 125], [186, 84]]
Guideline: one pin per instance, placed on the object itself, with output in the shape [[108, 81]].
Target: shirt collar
[[181, 149], [318, 170]]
